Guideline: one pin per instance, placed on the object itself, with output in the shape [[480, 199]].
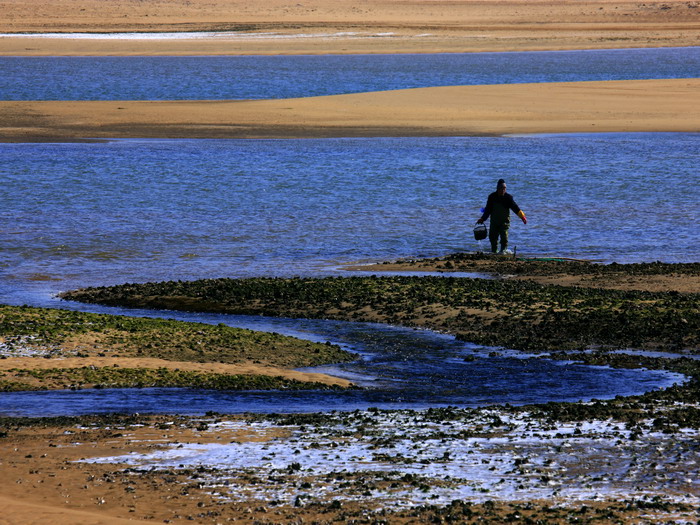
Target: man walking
[[498, 207]]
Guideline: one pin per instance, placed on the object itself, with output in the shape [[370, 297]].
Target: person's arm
[[487, 210], [520, 213]]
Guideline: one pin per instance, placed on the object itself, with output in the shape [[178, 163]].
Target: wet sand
[[577, 107], [384, 26], [622, 461], [480, 464]]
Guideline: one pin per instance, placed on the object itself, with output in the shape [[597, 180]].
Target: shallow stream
[[400, 368]]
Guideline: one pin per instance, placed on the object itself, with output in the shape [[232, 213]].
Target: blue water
[[92, 214], [401, 369], [75, 215], [257, 77]]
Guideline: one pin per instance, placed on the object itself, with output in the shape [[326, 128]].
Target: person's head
[[501, 187]]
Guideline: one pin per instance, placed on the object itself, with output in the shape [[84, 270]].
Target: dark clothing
[[498, 208], [498, 231]]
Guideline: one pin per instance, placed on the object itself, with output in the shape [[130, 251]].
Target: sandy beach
[[29, 363], [511, 268], [203, 27], [581, 107], [367, 26], [625, 460], [469, 466]]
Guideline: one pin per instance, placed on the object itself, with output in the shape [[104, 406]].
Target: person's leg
[[493, 237], [504, 238]]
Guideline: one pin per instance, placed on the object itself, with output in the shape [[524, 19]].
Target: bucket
[[480, 232]]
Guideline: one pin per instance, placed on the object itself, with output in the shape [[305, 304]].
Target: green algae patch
[[55, 336], [522, 315], [561, 322], [111, 377], [51, 333]]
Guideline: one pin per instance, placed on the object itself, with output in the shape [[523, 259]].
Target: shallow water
[[400, 368], [74, 215], [93, 214], [487, 455], [141, 210], [258, 77]]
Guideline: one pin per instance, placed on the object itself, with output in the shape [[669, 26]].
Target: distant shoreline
[[45, 45], [328, 27]]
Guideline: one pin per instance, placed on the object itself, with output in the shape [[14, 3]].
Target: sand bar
[[31, 363], [612, 106], [363, 26], [505, 267]]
